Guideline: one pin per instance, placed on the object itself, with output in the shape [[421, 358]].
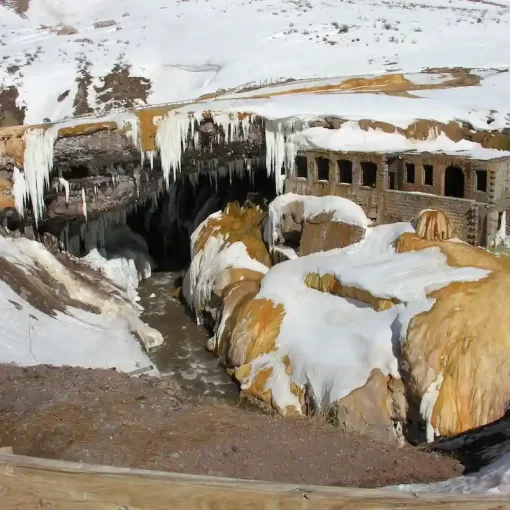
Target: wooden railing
[[28, 483]]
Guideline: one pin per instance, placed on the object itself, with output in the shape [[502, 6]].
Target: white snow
[[493, 479], [333, 343], [350, 137], [76, 337], [184, 55], [121, 271]]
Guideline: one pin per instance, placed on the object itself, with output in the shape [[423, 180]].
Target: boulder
[[321, 233], [454, 358], [433, 225], [311, 224], [374, 408]]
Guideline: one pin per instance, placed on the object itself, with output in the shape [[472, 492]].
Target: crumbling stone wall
[[405, 202], [462, 213]]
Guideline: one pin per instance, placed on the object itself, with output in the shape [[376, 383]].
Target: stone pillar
[[492, 226], [356, 172]]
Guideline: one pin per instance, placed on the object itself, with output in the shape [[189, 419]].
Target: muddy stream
[[183, 356]]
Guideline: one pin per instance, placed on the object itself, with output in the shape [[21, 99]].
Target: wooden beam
[[33, 484]]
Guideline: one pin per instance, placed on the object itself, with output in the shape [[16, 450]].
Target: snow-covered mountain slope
[[55, 310], [60, 58]]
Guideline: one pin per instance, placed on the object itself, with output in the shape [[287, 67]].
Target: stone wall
[[407, 199], [405, 206]]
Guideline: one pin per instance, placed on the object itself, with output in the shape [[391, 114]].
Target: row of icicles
[[173, 132]]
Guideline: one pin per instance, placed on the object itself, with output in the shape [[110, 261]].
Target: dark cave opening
[[164, 221], [167, 226]]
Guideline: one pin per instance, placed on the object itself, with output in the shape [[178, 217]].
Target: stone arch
[[454, 182]]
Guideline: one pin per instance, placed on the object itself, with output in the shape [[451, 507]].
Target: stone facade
[[397, 187]]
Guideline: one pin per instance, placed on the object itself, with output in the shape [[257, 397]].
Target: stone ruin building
[[396, 187]]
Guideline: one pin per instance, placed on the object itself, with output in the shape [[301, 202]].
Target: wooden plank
[[34, 484]]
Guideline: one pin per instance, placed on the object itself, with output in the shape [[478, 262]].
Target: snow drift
[[58, 311]]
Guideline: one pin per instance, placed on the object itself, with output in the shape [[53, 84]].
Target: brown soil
[[101, 416]]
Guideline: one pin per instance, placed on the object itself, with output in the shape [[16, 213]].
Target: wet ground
[[183, 356]]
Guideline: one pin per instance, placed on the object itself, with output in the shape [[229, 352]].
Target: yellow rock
[[433, 224], [464, 338]]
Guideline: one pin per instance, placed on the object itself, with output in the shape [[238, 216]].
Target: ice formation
[[175, 128], [84, 203], [427, 406], [170, 138], [501, 238], [20, 191], [63, 182], [281, 150], [38, 165]]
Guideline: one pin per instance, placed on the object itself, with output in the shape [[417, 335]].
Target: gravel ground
[[104, 417]]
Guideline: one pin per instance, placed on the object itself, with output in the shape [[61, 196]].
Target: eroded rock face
[[451, 351], [227, 248], [374, 408], [320, 233]]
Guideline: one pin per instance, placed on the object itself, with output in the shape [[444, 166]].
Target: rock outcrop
[[375, 335], [308, 224], [457, 350]]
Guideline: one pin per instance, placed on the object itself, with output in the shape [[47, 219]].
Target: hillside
[[60, 58]]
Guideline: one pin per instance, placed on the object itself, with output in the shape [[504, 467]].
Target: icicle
[[38, 158], [95, 190], [20, 191], [84, 203], [280, 148], [63, 182], [501, 238], [136, 174], [171, 139]]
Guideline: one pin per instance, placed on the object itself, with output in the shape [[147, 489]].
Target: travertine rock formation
[[411, 307], [460, 347]]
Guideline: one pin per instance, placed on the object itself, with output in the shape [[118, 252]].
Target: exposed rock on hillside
[[10, 113]]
